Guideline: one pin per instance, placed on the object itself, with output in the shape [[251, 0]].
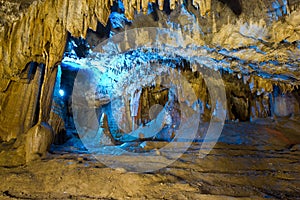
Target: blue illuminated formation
[[61, 92]]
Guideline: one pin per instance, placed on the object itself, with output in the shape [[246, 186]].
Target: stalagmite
[[104, 136], [38, 141], [161, 4], [134, 106], [214, 25]]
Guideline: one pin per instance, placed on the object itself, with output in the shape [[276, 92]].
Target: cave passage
[[129, 101]]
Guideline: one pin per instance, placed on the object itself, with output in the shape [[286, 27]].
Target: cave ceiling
[[247, 37]]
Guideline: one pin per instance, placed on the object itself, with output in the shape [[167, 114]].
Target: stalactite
[[204, 6], [138, 5], [173, 4], [129, 10], [161, 4], [145, 6]]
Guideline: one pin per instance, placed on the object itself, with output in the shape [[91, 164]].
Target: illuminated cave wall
[[258, 45]]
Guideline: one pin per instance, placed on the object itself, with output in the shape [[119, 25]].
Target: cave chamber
[[201, 98]]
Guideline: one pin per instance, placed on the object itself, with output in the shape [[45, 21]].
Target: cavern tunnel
[[193, 99]]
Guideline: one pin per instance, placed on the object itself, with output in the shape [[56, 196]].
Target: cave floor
[[251, 161]]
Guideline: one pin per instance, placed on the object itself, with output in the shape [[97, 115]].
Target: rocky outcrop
[[38, 140]]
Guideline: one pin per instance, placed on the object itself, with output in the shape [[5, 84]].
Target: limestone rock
[[103, 135], [36, 31], [286, 105], [12, 153], [150, 145], [58, 125], [240, 108], [38, 141]]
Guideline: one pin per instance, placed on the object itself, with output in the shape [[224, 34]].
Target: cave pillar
[[18, 103]]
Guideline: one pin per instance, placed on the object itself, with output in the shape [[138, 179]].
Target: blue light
[[61, 92]]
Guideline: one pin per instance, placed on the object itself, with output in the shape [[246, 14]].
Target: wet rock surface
[[239, 167]]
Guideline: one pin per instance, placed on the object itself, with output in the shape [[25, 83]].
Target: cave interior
[[150, 100]]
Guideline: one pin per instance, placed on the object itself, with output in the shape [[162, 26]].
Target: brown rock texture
[[37, 32]]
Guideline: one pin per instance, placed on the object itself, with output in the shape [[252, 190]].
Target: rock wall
[[37, 31]]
